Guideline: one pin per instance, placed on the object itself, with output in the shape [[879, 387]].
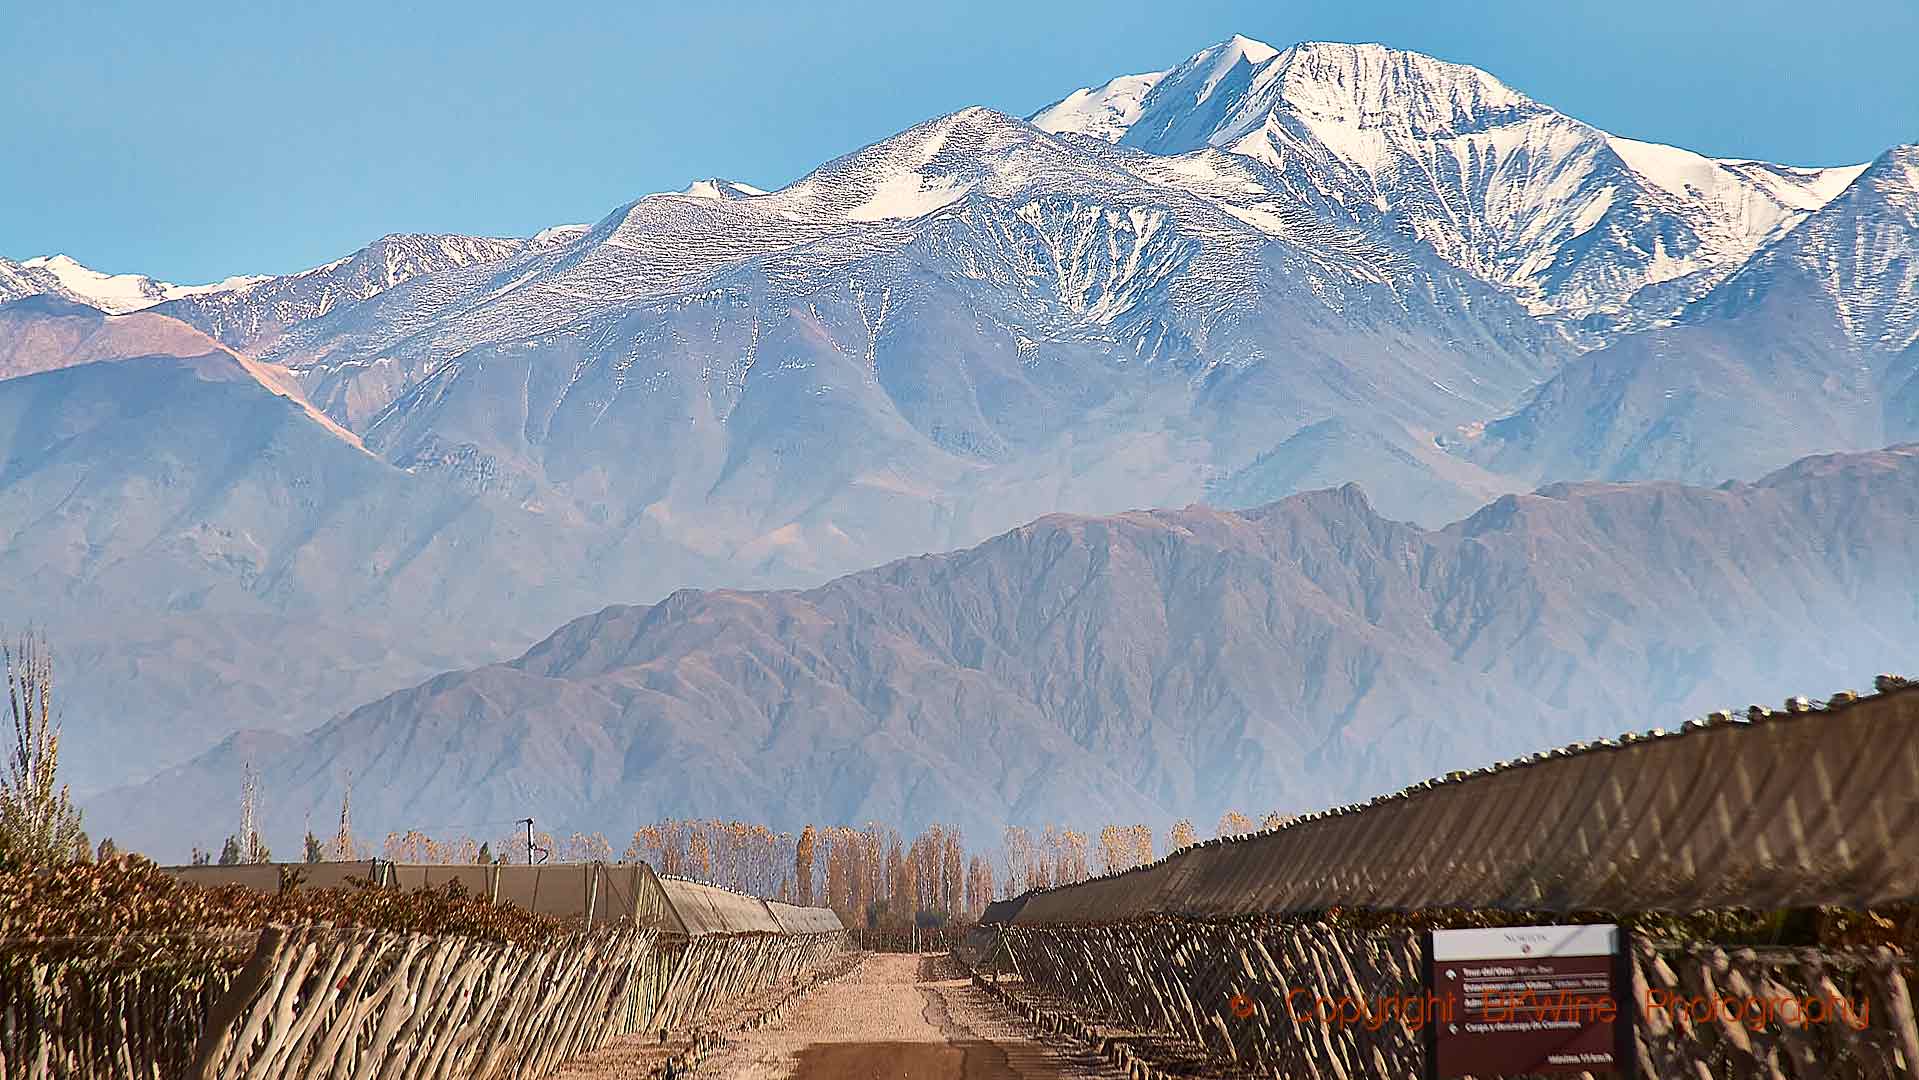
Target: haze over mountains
[[261, 503], [1140, 667]]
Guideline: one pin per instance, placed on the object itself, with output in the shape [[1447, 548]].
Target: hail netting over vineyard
[[720, 945], [159, 985], [1206, 996], [596, 893], [1196, 959], [1804, 807]]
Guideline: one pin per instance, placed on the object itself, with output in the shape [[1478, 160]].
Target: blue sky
[[194, 141]]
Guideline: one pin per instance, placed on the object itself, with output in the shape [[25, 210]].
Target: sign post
[[1518, 1000]]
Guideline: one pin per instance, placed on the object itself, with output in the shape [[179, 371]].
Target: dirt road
[[898, 1018]]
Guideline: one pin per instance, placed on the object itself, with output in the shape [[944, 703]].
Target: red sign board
[[1517, 1000]]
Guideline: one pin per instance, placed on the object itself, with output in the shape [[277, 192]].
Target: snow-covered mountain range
[[1597, 229], [116, 294], [1258, 272]]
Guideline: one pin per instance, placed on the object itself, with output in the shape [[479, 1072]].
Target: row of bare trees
[[876, 877], [737, 855], [872, 873]]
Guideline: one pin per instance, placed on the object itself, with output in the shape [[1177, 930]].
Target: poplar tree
[[39, 825], [803, 864]]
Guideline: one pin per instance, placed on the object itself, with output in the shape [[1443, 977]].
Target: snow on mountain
[[1758, 201], [917, 343], [558, 235], [717, 188], [1860, 252], [17, 282], [1812, 345], [112, 293], [760, 390], [1577, 223], [251, 314], [1258, 272], [1103, 112], [116, 294]]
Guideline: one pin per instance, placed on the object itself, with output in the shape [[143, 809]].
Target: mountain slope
[[44, 331], [1139, 666], [1256, 273], [1813, 345], [255, 311], [1575, 222], [210, 552], [924, 342]]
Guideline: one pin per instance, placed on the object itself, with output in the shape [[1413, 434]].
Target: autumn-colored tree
[[408, 847], [1274, 820], [1143, 844], [899, 895], [1182, 835], [1116, 852], [927, 857], [584, 847], [839, 888], [343, 848], [39, 825], [979, 885], [803, 864], [1070, 865], [863, 874], [953, 874], [877, 885], [699, 857], [1017, 849], [1234, 823], [1047, 857], [661, 846]]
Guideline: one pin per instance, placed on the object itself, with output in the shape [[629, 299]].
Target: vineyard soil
[[899, 1017]]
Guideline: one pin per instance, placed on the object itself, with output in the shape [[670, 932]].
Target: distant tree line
[[1057, 855], [873, 876]]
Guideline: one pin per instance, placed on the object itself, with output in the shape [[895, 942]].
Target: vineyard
[[121, 970], [1770, 856]]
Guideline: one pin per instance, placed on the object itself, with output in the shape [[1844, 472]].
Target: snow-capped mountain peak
[[1213, 66], [719, 188], [922, 169], [1235, 83], [1103, 112], [1574, 221], [112, 293], [1371, 86], [1859, 252], [115, 294]]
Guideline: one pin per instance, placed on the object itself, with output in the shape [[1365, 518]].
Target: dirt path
[[897, 1018]]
